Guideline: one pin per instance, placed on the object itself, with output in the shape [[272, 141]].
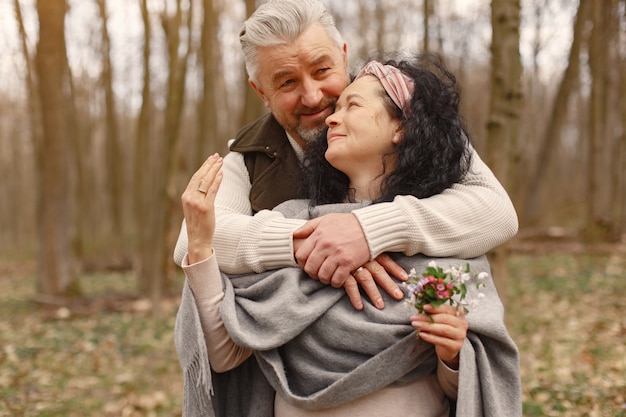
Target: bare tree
[[505, 103], [209, 52], [621, 153], [427, 12], [19, 181], [381, 25], [157, 248], [142, 164], [506, 90], [253, 107], [114, 159], [615, 19], [56, 269], [598, 211], [558, 114]]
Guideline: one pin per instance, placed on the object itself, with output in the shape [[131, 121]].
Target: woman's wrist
[[195, 254], [452, 364]]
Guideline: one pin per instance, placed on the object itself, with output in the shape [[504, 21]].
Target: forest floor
[[106, 355]]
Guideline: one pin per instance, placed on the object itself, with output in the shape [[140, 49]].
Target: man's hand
[[331, 248], [334, 245]]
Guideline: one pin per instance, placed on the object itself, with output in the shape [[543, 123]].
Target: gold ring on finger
[[356, 271]]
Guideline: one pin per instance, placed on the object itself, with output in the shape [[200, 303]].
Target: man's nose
[[311, 93]]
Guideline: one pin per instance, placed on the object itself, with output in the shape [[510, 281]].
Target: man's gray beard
[[310, 135]]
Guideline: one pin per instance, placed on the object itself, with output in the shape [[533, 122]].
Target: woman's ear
[[398, 134]]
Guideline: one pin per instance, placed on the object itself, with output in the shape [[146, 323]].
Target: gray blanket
[[332, 353]]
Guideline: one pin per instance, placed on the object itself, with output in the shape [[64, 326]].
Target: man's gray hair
[[282, 21]]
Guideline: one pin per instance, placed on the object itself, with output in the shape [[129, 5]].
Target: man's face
[[301, 81]]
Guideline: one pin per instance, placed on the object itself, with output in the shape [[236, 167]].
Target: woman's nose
[[331, 120]]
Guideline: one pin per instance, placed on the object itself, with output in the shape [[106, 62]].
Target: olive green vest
[[272, 163]]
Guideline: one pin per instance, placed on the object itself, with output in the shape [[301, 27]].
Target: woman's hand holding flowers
[[445, 327]]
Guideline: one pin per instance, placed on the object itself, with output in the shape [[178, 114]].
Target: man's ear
[[259, 92]]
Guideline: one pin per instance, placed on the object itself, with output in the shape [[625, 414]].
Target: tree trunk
[[209, 51], [505, 107], [114, 158], [552, 135], [158, 264], [615, 120], [427, 13], [23, 226], [621, 162], [253, 107], [597, 218], [142, 165], [381, 22], [506, 91], [56, 269]]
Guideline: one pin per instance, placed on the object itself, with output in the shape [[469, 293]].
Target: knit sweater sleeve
[[466, 220], [243, 242]]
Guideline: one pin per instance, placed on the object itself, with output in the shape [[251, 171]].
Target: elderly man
[[299, 74]]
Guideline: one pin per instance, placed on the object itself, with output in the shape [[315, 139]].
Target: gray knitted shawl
[[316, 351]]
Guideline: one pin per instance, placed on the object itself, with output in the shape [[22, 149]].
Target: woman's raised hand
[[199, 210]]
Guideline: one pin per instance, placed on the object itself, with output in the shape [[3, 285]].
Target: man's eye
[[287, 83], [323, 70]]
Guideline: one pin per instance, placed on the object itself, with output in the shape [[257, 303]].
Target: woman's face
[[361, 131]]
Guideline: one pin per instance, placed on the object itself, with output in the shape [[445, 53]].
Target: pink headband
[[397, 84]]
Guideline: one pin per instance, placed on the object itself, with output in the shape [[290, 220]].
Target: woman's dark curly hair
[[433, 154]]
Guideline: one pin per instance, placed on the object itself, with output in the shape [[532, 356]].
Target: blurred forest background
[[108, 106]]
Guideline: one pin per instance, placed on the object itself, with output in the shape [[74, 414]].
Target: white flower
[[431, 264], [482, 275]]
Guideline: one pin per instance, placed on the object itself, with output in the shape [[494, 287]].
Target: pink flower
[[437, 287]]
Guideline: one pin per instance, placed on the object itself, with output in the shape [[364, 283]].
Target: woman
[[396, 130]]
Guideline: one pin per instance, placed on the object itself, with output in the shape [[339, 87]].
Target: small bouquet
[[436, 286]]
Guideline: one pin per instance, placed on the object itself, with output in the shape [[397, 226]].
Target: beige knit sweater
[[465, 221]]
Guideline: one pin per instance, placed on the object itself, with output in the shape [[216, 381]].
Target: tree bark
[[621, 163], [56, 269], [381, 23], [23, 224], [158, 265], [209, 51], [615, 120], [506, 91], [253, 107], [142, 164], [114, 158], [597, 218], [505, 107], [427, 13], [621, 160]]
